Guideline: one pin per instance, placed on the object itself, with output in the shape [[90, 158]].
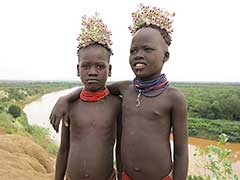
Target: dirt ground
[[1, 132], [22, 159]]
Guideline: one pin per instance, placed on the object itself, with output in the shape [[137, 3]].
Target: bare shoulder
[[122, 83], [175, 95], [125, 83], [178, 108], [119, 87], [125, 86]]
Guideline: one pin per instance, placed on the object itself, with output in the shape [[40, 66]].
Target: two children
[[150, 107], [86, 150]]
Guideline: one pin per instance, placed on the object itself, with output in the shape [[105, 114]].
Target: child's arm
[[118, 87], [62, 157], [180, 136], [60, 109], [118, 147]]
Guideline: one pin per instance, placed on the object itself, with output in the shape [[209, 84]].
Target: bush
[[14, 110], [192, 132], [218, 163]]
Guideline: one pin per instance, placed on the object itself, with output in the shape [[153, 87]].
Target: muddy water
[[196, 163]]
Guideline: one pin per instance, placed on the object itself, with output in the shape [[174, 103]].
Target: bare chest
[[137, 106], [98, 115]]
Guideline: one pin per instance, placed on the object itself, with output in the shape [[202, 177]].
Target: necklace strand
[[145, 87]]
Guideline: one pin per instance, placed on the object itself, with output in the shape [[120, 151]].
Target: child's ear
[[109, 70], [166, 56], [78, 73]]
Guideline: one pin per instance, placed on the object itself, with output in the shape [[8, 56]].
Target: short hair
[[103, 45], [97, 44], [166, 36]]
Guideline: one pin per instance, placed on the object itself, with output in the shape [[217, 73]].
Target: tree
[[14, 110]]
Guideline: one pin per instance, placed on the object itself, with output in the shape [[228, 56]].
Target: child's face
[[94, 67], [147, 53]]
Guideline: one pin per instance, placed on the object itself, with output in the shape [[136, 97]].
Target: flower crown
[[148, 15], [94, 31]]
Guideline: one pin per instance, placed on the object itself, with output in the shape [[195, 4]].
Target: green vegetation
[[213, 109], [42, 137], [211, 129], [217, 163], [14, 95], [212, 101], [14, 110]]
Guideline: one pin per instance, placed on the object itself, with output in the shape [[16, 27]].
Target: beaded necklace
[[93, 96], [159, 83]]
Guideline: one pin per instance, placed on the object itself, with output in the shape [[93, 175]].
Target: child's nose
[[93, 71], [139, 55]]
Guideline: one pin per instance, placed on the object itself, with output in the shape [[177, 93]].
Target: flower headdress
[[94, 31], [152, 16]]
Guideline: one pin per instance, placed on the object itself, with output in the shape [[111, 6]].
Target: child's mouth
[[139, 66], [92, 81]]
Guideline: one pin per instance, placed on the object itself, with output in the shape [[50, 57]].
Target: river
[[38, 111], [38, 114]]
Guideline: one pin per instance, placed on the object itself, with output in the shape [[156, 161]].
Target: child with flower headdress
[[86, 149], [151, 108]]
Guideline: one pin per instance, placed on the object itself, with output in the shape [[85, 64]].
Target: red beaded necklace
[[93, 96]]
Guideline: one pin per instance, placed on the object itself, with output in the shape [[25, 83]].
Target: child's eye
[[148, 49], [100, 67], [85, 66], [132, 51]]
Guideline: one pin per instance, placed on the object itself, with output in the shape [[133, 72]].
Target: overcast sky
[[38, 38]]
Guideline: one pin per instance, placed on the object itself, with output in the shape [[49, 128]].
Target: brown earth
[[22, 159], [1, 132]]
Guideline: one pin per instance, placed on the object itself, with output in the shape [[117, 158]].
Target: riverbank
[[20, 94]]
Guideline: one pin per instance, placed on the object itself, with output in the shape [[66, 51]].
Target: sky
[[38, 38]]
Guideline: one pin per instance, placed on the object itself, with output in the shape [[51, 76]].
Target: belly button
[[137, 169], [86, 176], [156, 113]]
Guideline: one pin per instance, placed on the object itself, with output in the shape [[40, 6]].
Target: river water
[[38, 114], [38, 111]]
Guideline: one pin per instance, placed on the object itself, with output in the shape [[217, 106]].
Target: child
[[150, 107], [86, 150]]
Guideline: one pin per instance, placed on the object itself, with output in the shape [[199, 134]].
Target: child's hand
[[59, 111]]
